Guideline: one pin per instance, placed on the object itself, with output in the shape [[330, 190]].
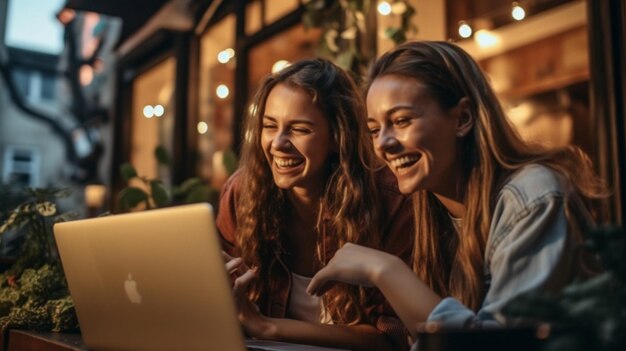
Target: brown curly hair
[[348, 208]]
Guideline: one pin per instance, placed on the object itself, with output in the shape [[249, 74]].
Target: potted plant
[[33, 291]]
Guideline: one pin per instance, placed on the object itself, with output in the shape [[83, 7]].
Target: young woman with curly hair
[[308, 184]]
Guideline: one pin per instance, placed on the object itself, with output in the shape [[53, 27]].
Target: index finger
[[320, 283], [226, 256]]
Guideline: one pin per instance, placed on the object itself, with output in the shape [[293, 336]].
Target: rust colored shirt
[[396, 212]]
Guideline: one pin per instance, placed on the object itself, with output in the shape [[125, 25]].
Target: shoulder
[[226, 219], [234, 181], [533, 183]]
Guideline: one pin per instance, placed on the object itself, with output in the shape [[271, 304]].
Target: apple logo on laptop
[[130, 286]]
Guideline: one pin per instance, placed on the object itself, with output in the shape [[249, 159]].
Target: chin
[[409, 187]]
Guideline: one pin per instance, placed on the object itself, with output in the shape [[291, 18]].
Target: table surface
[[525, 339], [24, 340]]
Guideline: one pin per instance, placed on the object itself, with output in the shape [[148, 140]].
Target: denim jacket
[[531, 246]]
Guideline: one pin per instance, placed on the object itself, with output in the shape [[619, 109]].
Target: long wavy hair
[[491, 152], [348, 209]]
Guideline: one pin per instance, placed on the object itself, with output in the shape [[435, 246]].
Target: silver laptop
[[153, 280]]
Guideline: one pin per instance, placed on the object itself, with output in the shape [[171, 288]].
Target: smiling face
[[296, 139], [413, 134]]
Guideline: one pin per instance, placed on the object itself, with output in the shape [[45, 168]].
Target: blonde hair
[[491, 152]]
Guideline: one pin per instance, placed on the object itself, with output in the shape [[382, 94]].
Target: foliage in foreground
[[587, 315], [33, 291]]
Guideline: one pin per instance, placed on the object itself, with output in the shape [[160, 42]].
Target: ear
[[465, 118]]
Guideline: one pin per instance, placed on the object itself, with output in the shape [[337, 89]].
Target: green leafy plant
[[347, 36], [156, 194], [33, 291], [587, 315]]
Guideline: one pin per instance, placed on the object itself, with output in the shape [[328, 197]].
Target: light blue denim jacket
[[530, 246]]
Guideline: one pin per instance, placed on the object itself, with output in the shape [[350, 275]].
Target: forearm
[[354, 337], [411, 299]]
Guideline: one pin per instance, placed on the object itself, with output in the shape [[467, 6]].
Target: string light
[[465, 31], [222, 91], [384, 8], [202, 127], [148, 111], [517, 12], [159, 110], [467, 26], [225, 55], [279, 65]]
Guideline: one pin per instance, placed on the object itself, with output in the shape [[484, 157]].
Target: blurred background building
[[123, 77]]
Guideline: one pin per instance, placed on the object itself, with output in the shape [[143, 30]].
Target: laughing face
[[296, 139], [413, 134]]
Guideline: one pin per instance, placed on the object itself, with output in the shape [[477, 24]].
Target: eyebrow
[[295, 121], [393, 110]]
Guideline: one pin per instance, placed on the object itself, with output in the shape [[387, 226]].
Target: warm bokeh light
[[465, 31], [225, 55], [485, 38], [518, 12], [148, 111], [66, 15], [203, 127], [222, 91], [279, 65], [384, 8], [86, 75], [94, 195], [159, 110], [398, 8]]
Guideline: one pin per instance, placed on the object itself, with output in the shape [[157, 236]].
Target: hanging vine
[[348, 32]]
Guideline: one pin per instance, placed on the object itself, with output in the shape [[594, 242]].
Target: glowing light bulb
[[222, 91], [203, 127], [518, 12], [279, 65], [159, 110], [225, 55], [465, 31], [384, 8], [148, 111]]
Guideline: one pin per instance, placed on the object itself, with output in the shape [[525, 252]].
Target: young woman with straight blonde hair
[[495, 216]]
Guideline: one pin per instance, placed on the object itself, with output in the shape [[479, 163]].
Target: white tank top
[[303, 306]]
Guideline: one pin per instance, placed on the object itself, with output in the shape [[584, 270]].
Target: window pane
[[153, 119], [290, 45], [277, 9], [253, 17], [215, 122], [48, 86]]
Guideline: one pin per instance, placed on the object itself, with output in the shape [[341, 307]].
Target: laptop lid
[[151, 280]]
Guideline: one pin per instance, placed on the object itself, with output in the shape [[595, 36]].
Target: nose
[[281, 140], [386, 141]]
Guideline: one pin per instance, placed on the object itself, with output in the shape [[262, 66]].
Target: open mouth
[[287, 162], [404, 161]]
